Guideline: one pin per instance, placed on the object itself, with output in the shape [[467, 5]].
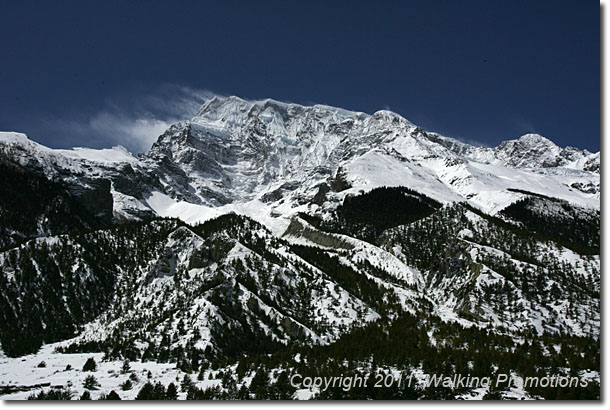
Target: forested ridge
[[228, 298]]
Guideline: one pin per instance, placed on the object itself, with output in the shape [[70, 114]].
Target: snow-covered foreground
[[25, 371], [65, 371]]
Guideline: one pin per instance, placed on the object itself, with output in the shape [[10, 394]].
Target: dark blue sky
[[480, 71]]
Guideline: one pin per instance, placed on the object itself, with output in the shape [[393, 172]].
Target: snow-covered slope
[[237, 151], [277, 156]]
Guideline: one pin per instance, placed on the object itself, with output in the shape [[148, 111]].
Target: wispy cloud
[[136, 133], [525, 126], [432, 124], [134, 120], [474, 142]]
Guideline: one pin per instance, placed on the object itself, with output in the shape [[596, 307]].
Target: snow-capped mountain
[[236, 151], [261, 224], [274, 158]]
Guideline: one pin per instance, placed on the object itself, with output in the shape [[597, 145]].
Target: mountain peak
[[535, 138], [391, 116], [217, 106], [234, 104], [13, 137], [528, 141]]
